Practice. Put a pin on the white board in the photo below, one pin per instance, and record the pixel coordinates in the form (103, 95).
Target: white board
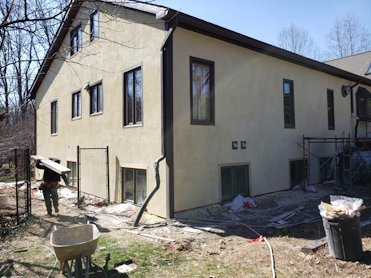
(54, 166)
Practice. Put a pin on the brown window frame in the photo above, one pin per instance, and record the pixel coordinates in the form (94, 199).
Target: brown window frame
(211, 65)
(94, 110)
(330, 110)
(135, 172)
(76, 114)
(54, 117)
(287, 123)
(135, 121)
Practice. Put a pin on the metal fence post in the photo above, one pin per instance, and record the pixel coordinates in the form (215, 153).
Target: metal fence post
(107, 162)
(27, 168)
(78, 176)
(16, 184)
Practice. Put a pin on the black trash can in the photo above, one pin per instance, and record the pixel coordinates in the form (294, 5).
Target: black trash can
(344, 238)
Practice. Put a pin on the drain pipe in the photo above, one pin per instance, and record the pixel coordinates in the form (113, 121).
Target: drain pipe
(157, 162)
(149, 197)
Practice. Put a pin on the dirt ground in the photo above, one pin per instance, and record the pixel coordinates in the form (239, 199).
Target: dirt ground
(207, 242)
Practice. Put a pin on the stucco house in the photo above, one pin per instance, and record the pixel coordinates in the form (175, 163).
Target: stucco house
(224, 112)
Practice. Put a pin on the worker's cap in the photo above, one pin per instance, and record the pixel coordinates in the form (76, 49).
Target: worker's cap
(55, 159)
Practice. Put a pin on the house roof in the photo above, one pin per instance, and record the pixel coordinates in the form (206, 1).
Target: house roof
(177, 18)
(358, 63)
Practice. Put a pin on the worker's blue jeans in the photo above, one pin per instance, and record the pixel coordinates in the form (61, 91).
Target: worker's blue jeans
(50, 192)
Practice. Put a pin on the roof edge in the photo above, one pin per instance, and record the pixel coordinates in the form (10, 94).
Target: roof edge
(218, 32)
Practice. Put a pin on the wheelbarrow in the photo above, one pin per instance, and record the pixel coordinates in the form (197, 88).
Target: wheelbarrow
(74, 244)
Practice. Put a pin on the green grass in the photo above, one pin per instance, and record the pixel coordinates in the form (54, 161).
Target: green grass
(147, 256)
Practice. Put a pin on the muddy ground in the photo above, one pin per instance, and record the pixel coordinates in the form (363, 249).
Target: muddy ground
(208, 242)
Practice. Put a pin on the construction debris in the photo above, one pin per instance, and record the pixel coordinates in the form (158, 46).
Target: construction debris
(341, 207)
(314, 246)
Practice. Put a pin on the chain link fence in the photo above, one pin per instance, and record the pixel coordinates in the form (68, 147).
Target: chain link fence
(15, 188)
(93, 172)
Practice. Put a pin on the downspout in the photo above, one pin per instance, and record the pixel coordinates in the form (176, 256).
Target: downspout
(162, 157)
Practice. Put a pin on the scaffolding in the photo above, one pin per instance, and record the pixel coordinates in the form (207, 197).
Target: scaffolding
(343, 151)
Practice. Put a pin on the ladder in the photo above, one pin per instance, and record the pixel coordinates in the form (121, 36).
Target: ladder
(368, 129)
(346, 163)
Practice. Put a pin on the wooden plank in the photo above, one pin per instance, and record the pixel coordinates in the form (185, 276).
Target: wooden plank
(54, 166)
(314, 246)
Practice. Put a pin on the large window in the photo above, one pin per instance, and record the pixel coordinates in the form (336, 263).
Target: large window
(76, 105)
(288, 103)
(330, 110)
(133, 97)
(134, 185)
(94, 26)
(54, 117)
(96, 99)
(76, 41)
(202, 91)
(235, 181)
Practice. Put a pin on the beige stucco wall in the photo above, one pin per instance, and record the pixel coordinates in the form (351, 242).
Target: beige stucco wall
(249, 107)
(127, 39)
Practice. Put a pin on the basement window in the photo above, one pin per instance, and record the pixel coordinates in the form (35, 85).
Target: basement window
(72, 176)
(235, 181)
(134, 185)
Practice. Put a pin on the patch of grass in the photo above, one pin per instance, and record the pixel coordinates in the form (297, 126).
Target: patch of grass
(146, 256)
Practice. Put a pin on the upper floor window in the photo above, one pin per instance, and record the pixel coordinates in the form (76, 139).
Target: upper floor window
(53, 117)
(76, 41)
(96, 99)
(202, 91)
(76, 105)
(94, 26)
(288, 103)
(330, 110)
(133, 97)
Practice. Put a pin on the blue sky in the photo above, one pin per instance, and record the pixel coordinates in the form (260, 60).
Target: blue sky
(263, 19)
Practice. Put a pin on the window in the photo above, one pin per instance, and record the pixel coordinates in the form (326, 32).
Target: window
(297, 171)
(72, 176)
(76, 105)
(54, 117)
(75, 37)
(288, 103)
(330, 110)
(96, 99)
(363, 102)
(94, 26)
(202, 91)
(134, 185)
(235, 180)
(133, 97)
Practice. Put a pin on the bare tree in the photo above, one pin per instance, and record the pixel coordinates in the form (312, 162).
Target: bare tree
(348, 37)
(297, 40)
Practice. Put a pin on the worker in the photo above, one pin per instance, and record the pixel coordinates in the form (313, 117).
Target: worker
(50, 186)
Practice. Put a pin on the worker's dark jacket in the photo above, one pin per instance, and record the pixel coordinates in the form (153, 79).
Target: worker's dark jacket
(49, 175)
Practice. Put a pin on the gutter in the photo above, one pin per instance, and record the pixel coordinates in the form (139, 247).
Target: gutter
(162, 157)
